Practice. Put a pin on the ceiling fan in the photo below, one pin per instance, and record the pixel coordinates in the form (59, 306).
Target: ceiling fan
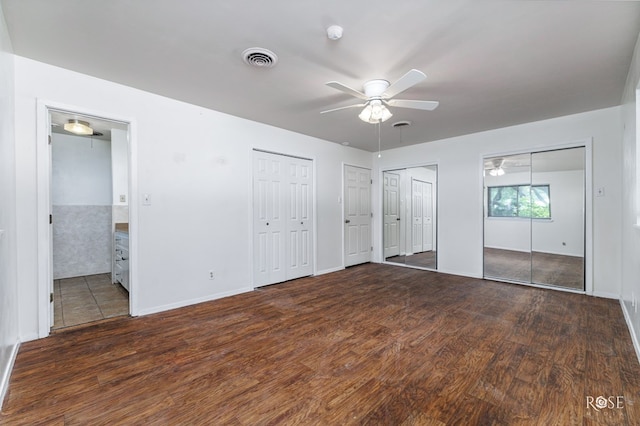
(378, 94)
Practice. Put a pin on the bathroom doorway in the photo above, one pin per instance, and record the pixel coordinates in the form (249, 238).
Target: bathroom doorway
(89, 205)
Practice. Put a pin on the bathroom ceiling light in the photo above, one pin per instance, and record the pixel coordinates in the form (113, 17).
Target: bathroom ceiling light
(78, 127)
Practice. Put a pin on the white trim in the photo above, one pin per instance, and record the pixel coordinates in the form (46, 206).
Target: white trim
(43, 188)
(605, 295)
(632, 331)
(6, 373)
(330, 270)
(183, 303)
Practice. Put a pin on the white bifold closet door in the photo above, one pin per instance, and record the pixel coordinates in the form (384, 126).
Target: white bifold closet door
(422, 216)
(282, 218)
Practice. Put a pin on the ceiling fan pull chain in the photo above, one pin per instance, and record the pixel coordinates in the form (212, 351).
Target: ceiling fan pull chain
(379, 155)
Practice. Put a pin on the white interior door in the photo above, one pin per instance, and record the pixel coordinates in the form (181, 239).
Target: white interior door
(391, 207)
(357, 215)
(268, 225)
(283, 218)
(417, 216)
(427, 218)
(299, 218)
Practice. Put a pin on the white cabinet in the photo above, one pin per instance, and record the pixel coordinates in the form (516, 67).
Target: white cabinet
(121, 258)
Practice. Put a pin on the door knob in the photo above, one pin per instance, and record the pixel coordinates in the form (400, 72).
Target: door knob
(347, 221)
(397, 218)
(267, 223)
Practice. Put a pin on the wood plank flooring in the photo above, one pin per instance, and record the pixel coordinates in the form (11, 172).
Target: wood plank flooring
(539, 268)
(373, 344)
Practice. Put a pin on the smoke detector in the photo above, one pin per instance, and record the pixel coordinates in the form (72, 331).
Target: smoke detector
(334, 32)
(259, 57)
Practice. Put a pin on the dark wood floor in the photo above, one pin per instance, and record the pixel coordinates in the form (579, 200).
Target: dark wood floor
(373, 344)
(535, 267)
(425, 259)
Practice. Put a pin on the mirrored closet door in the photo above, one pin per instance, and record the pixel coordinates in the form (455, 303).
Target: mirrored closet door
(534, 218)
(410, 216)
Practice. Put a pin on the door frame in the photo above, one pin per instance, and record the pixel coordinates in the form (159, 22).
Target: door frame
(314, 230)
(43, 203)
(588, 205)
(400, 233)
(435, 210)
(342, 203)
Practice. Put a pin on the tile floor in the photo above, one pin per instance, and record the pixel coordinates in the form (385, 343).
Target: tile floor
(80, 300)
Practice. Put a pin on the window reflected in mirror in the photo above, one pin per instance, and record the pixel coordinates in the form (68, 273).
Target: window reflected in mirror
(410, 216)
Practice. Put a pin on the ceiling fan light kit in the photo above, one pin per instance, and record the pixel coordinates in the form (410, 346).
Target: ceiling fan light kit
(378, 95)
(497, 169)
(375, 112)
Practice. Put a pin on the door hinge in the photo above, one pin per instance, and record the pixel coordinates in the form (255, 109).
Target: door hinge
(371, 181)
(371, 248)
(49, 139)
(371, 214)
(50, 219)
(50, 297)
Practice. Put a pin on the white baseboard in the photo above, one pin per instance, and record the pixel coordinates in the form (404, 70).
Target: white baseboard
(605, 295)
(182, 304)
(632, 331)
(6, 372)
(330, 270)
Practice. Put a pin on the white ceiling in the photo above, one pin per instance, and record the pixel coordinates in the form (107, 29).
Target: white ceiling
(490, 63)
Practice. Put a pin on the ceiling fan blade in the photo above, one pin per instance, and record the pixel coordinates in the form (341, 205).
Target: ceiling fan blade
(344, 107)
(346, 89)
(411, 78)
(405, 103)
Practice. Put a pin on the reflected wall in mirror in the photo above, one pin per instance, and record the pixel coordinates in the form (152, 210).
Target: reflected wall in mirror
(410, 216)
(534, 218)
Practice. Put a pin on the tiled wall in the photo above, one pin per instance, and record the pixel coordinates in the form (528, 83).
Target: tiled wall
(81, 240)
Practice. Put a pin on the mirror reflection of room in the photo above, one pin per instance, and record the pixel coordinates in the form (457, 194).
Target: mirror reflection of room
(534, 218)
(409, 216)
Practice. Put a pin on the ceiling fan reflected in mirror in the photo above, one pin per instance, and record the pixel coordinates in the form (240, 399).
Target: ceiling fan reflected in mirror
(378, 95)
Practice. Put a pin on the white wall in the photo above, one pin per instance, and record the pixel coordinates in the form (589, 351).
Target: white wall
(460, 185)
(120, 166)
(196, 166)
(631, 199)
(81, 171)
(8, 273)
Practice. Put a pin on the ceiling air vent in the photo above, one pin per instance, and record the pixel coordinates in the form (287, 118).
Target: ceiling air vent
(399, 124)
(259, 57)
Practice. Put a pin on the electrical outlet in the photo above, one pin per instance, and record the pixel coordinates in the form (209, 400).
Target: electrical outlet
(212, 275)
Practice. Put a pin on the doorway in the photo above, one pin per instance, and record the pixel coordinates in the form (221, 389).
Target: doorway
(283, 218)
(89, 213)
(409, 206)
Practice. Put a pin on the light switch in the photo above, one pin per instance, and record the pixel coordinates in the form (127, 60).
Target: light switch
(600, 192)
(146, 199)
(123, 198)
